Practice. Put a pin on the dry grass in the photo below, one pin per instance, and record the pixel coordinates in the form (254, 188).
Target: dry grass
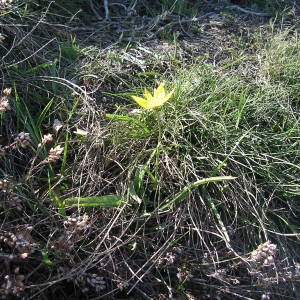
(92, 208)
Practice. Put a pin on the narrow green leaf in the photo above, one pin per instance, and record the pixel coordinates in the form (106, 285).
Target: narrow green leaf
(40, 67)
(24, 115)
(46, 259)
(138, 181)
(185, 191)
(147, 74)
(65, 154)
(219, 219)
(43, 114)
(133, 194)
(95, 201)
(55, 197)
(128, 119)
(223, 163)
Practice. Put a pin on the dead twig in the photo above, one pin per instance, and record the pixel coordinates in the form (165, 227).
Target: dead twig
(249, 11)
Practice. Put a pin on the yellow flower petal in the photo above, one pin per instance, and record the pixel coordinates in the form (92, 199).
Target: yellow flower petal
(148, 95)
(159, 102)
(169, 95)
(156, 100)
(160, 91)
(140, 101)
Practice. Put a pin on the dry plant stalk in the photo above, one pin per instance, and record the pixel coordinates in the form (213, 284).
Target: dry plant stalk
(54, 154)
(19, 239)
(74, 227)
(47, 140)
(264, 254)
(13, 284)
(22, 140)
(5, 186)
(11, 199)
(4, 102)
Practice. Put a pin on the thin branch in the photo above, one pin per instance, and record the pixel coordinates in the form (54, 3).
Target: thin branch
(249, 11)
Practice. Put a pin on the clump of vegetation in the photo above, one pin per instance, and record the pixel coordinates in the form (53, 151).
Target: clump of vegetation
(192, 193)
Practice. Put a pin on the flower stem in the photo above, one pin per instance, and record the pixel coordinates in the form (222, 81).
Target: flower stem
(158, 144)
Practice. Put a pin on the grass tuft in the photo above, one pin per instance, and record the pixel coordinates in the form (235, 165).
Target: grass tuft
(100, 198)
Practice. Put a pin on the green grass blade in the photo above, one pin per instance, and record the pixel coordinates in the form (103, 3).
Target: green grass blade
(95, 201)
(128, 119)
(219, 219)
(65, 154)
(44, 113)
(40, 67)
(185, 191)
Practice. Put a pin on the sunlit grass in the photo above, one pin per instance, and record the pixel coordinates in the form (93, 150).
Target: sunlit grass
(191, 191)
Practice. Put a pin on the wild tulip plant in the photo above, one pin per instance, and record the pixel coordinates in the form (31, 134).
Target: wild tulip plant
(155, 101)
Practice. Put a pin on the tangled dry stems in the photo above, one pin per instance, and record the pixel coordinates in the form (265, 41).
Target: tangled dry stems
(201, 246)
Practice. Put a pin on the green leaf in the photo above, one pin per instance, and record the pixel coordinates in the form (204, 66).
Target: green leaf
(147, 74)
(185, 191)
(60, 204)
(46, 259)
(40, 67)
(65, 154)
(138, 181)
(223, 163)
(95, 201)
(222, 228)
(43, 114)
(23, 114)
(133, 194)
(128, 119)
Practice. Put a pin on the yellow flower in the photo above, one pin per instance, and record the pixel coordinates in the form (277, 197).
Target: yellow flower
(156, 100)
